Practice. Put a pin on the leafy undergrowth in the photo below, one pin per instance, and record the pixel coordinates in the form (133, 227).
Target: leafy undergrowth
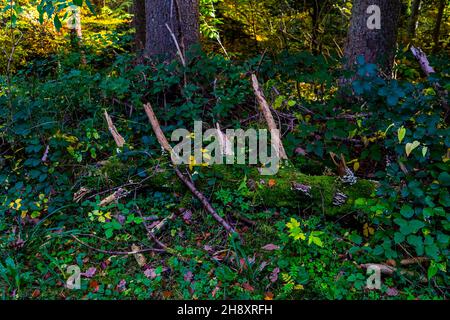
(58, 161)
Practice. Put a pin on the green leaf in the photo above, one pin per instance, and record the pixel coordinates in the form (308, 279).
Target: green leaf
(314, 238)
(424, 151)
(399, 237)
(444, 179)
(432, 270)
(401, 132)
(57, 23)
(109, 233)
(407, 211)
(417, 242)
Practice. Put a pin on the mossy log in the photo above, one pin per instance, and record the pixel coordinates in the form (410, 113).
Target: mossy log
(279, 190)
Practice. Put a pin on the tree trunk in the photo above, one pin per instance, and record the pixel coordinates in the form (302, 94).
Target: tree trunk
(76, 34)
(315, 21)
(139, 23)
(437, 27)
(412, 24)
(376, 45)
(171, 24)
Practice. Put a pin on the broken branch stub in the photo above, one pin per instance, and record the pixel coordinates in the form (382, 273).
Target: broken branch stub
(264, 106)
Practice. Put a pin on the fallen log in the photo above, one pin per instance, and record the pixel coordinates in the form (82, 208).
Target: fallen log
(288, 188)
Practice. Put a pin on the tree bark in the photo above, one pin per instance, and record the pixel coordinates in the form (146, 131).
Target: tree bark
(315, 21)
(139, 22)
(171, 24)
(375, 45)
(412, 24)
(437, 27)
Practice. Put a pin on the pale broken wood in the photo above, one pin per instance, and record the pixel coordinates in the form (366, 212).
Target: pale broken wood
(166, 146)
(384, 269)
(161, 224)
(119, 193)
(77, 196)
(264, 106)
(140, 259)
(423, 60)
(225, 144)
(414, 260)
(428, 69)
(120, 141)
(389, 270)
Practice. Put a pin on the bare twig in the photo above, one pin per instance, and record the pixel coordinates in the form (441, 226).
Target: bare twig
(183, 62)
(116, 252)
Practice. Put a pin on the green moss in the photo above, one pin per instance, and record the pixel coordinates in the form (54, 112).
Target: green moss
(269, 191)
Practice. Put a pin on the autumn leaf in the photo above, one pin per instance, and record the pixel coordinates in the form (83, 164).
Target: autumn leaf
(367, 230)
(272, 183)
(274, 275)
(248, 287)
(167, 294)
(411, 146)
(36, 293)
(268, 296)
(90, 272)
(270, 247)
(94, 285)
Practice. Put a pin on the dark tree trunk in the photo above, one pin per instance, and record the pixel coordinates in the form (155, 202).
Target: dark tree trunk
(437, 27)
(139, 23)
(163, 17)
(412, 24)
(375, 45)
(315, 20)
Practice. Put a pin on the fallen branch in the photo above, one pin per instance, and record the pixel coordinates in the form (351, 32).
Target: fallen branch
(415, 260)
(428, 69)
(120, 141)
(389, 271)
(116, 252)
(265, 108)
(119, 193)
(423, 60)
(166, 146)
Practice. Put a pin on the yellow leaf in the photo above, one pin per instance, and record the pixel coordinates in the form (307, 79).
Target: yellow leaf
(356, 166)
(367, 230)
(411, 146)
(401, 132)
